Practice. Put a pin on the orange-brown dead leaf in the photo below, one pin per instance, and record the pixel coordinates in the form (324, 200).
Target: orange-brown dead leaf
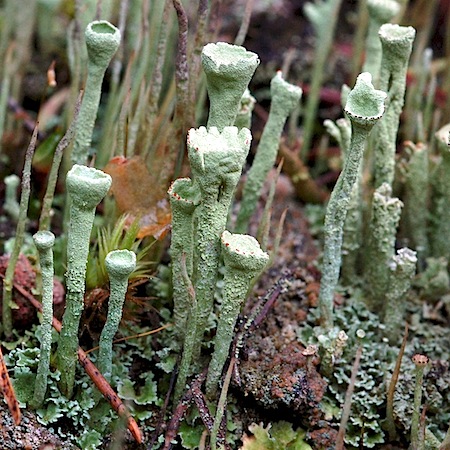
(7, 390)
(139, 193)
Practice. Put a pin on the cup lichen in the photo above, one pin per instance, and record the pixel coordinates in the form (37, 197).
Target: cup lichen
(102, 41)
(228, 69)
(44, 241)
(365, 106)
(285, 97)
(243, 260)
(86, 188)
(119, 264)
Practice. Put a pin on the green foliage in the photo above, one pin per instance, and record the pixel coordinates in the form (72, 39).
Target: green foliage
(81, 420)
(277, 436)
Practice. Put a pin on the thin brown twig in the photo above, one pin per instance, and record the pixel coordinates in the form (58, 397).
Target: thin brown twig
(195, 58)
(348, 401)
(7, 390)
(182, 82)
(45, 218)
(390, 423)
(242, 33)
(180, 411)
(134, 336)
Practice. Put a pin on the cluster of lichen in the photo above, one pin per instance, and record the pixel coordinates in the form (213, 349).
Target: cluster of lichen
(201, 205)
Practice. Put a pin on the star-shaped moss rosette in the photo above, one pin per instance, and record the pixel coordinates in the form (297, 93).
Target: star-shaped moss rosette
(364, 108)
(86, 187)
(102, 42)
(228, 69)
(216, 160)
(243, 260)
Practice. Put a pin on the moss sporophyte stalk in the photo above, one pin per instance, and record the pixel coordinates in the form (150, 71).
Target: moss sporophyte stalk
(86, 188)
(364, 108)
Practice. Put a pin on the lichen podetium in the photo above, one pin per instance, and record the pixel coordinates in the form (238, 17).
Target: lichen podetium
(365, 106)
(102, 41)
(86, 188)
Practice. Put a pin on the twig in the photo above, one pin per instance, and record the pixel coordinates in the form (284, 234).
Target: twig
(18, 241)
(195, 58)
(220, 418)
(156, 433)
(390, 424)
(245, 22)
(45, 218)
(182, 85)
(348, 401)
(180, 411)
(7, 390)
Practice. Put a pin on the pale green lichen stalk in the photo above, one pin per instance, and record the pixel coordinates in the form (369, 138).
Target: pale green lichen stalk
(119, 264)
(397, 44)
(228, 69)
(440, 236)
(352, 239)
(416, 171)
(365, 106)
(402, 269)
(184, 197)
(245, 111)
(243, 259)
(420, 363)
(44, 241)
(386, 212)
(86, 188)
(216, 160)
(102, 41)
(323, 14)
(380, 12)
(11, 205)
(285, 98)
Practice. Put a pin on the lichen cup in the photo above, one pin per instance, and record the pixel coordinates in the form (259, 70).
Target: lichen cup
(228, 69)
(86, 188)
(102, 42)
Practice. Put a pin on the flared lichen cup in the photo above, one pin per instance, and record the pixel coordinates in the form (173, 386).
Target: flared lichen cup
(102, 42)
(120, 264)
(228, 69)
(87, 186)
(397, 40)
(217, 156)
(365, 104)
